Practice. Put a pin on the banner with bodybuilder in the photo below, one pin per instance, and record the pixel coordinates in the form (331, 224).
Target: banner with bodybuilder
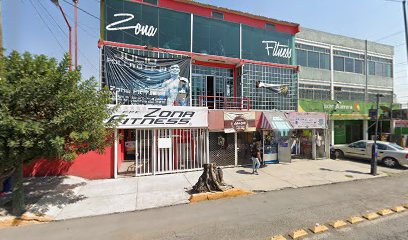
(140, 80)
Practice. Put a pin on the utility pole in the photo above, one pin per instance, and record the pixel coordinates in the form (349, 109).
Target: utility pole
(405, 24)
(1, 29)
(374, 151)
(76, 31)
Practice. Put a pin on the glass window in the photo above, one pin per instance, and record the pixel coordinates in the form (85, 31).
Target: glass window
(349, 64)
(359, 66)
(371, 68)
(216, 37)
(381, 146)
(301, 57)
(313, 59)
(338, 63)
(154, 2)
(218, 15)
(174, 32)
(260, 44)
(324, 61)
(388, 71)
(360, 145)
(379, 69)
(270, 26)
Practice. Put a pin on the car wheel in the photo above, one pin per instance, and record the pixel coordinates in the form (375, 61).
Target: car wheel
(390, 162)
(339, 154)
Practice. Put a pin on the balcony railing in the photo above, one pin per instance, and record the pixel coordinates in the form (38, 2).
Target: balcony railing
(226, 103)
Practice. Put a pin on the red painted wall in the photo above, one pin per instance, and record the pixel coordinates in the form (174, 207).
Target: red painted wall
(91, 165)
(121, 149)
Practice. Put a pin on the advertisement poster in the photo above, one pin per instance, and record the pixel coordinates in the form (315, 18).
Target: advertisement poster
(239, 122)
(307, 120)
(141, 80)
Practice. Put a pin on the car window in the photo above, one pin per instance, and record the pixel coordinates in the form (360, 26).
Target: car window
(393, 145)
(382, 146)
(360, 145)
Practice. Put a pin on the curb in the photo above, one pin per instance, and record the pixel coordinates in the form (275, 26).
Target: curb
(27, 218)
(234, 192)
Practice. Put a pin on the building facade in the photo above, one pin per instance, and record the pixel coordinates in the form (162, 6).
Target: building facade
(341, 76)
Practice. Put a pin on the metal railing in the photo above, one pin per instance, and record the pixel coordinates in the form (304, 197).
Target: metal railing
(226, 103)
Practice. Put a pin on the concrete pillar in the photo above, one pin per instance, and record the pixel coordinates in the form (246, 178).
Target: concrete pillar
(314, 144)
(365, 130)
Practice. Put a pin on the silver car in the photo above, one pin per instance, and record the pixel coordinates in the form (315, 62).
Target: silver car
(390, 154)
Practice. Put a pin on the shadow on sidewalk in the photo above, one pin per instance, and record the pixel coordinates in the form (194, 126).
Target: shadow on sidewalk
(45, 193)
(346, 171)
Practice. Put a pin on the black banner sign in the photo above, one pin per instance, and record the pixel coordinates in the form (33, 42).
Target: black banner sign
(141, 80)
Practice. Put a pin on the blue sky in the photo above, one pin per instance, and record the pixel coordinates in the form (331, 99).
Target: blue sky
(375, 20)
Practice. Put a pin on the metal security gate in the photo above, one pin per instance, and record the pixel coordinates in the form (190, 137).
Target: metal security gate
(161, 151)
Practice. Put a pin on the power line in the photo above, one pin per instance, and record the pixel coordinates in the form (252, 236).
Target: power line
(90, 14)
(388, 36)
(53, 18)
(59, 43)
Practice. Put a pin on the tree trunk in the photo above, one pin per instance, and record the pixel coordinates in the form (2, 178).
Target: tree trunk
(211, 180)
(18, 205)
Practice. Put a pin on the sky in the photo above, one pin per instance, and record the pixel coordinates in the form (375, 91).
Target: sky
(37, 26)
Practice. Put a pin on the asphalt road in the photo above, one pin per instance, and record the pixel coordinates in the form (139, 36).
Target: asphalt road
(251, 217)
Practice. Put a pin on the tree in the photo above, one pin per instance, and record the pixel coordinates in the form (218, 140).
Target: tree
(47, 112)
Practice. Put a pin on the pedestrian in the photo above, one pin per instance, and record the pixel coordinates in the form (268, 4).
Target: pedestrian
(256, 155)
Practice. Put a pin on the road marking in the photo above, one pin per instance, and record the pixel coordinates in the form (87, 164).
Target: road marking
(398, 209)
(319, 228)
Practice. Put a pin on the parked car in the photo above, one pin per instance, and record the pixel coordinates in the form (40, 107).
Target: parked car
(390, 154)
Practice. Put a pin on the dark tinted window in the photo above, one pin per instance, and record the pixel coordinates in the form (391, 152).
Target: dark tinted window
(174, 31)
(338, 63)
(359, 66)
(256, 40)
(154, 2)
(218, 15)
(313, 59)
(360, 145)
(301, 57)
(324, 61)
(349, 64)
(216, 37)
(381, 146)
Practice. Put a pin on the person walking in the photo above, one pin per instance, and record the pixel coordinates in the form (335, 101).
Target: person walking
(256, 155)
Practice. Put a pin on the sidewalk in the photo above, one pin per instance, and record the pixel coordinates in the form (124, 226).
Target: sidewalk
(72, 197)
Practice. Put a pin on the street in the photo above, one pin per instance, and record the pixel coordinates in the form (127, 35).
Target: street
(257, 216)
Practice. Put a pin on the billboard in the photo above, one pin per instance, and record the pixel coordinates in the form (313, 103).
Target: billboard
(140, 80)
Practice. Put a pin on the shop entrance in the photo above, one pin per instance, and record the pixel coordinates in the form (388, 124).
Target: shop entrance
(160, 151)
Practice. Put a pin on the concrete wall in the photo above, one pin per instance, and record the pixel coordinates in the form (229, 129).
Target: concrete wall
(343, 41)
(308, 73)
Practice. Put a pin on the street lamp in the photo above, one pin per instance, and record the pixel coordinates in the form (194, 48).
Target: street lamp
(374, 152)
(70, 32)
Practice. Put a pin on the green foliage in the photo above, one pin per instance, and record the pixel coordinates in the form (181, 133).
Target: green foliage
(48, 112)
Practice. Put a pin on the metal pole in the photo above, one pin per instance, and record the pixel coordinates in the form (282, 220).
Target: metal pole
(405, 24)
(374, 148)
(76, 32)
(70, 37)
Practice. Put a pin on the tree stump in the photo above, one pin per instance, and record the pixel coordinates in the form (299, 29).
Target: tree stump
(211, 180)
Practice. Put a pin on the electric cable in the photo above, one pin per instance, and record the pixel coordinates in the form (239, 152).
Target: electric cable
(52, 33)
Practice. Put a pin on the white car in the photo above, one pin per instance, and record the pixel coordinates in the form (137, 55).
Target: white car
(390, 154)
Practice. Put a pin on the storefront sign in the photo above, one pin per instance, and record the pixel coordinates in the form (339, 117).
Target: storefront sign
(239, 122)
(141, 80)
(307, 120)
(145, 30)
(341, 110)
(277, 49)
(132, 116)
